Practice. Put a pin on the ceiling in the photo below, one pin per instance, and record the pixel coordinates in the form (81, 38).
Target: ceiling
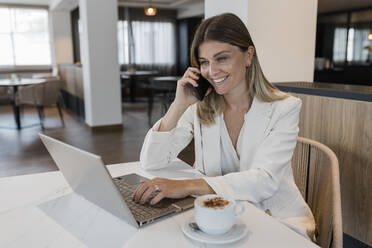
(339, 5)
(70, 4)
(26, 2)
(323, 5)
(158, 3)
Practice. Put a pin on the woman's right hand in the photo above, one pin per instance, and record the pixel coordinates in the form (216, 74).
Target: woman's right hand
(184, 93)
(184, 98)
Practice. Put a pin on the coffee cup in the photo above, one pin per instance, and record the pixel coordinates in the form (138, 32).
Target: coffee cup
(215, 214)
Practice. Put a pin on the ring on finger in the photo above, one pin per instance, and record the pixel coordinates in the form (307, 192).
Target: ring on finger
(156, 187)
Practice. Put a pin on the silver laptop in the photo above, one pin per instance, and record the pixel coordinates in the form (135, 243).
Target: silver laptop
(89, 177)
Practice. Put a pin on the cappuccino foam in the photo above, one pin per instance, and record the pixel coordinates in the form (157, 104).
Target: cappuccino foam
(215, 202)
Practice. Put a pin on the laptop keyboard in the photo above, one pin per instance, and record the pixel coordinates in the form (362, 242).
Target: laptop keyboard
(145, 212)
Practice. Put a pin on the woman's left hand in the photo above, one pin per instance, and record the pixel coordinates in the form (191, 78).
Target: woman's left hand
(165, 187)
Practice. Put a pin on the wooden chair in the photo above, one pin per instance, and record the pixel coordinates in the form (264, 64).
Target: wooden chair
(316, 173)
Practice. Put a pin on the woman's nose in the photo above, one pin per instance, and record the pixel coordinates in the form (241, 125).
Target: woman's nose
(213, 70)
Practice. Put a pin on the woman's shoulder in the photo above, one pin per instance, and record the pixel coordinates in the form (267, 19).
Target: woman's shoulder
(191, 110)
(287, 104)
(288, 100)
(190, 113)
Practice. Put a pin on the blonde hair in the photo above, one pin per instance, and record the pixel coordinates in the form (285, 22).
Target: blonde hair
(228, 28)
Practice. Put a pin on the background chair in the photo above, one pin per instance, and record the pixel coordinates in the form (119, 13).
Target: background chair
(41, 95)
(316, 173)
(5, 95)
(165, 89)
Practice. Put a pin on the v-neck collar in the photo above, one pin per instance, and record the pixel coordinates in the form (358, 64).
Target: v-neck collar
(209, 139)
(228, 141)
(238, 142)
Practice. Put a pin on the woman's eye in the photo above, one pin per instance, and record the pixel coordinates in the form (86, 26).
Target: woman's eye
(203, 63)
(220, 59)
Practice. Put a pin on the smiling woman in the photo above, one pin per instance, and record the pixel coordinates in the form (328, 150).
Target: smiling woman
(234, 35)
(245, 130)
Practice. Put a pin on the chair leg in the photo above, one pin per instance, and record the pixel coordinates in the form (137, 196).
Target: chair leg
(40, 111)
(21, 111)
(150, 102)
(164, 105)
(60, 113)
(61, 100)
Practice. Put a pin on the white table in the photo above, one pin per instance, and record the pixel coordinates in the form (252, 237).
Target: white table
(40, 210)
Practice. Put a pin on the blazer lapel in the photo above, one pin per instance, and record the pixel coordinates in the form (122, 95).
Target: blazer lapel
(256, 123)
(211, 148)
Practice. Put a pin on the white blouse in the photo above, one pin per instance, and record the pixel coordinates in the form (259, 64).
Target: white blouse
(230, 158)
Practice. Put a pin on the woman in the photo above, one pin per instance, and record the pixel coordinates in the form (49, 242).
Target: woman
(245, 130)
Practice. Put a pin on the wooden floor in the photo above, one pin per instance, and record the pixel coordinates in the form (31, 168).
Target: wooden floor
(21, 152)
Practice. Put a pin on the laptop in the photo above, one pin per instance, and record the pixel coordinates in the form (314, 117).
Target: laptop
(89, 177)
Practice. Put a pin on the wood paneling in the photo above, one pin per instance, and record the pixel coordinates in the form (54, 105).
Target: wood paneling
(72, 89)
(346, 127)
(72, 77)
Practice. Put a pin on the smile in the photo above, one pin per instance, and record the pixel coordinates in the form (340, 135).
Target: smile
(220, 80)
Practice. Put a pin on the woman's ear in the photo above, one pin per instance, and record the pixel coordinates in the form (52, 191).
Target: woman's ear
(249, 56)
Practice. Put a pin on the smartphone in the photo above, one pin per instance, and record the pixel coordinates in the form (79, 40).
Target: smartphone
(201, 90)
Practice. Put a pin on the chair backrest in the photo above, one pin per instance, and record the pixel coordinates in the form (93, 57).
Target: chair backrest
(316, 173)
(4, 93)
(51, 92)
(40, 94)
(167, 83)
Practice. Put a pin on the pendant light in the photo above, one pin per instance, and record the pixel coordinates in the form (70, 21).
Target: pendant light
(150, 10)
(370, 36)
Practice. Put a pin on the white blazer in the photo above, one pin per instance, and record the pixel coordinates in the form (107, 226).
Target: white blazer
(265, 176)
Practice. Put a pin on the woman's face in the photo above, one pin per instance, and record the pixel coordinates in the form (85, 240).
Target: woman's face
(224, 66)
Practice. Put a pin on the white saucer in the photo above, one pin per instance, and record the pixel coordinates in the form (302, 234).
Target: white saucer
(238, 231)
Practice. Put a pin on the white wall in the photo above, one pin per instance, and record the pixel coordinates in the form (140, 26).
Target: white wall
(101, 74)
(63, 4)
(283, 32)
(61, 37)
(191, 10)
(238, 7)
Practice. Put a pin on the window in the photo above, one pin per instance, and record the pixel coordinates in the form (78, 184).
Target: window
(123, 42)
(24, 37)
(339, 45)
(358, 40)
(352, 45)
(153, 43)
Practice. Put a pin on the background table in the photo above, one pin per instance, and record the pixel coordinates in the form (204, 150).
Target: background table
(132, 76)
(166, 86)
(15, 85)
(40, 211)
